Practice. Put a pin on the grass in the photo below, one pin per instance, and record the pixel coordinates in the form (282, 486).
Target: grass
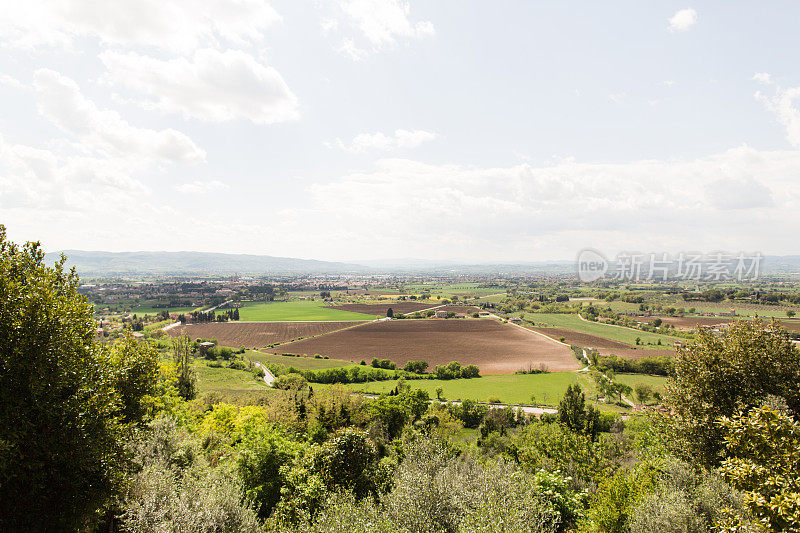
(148, 310)
(303, 363)
(510, 388)
(210, 379)
(621, 334)
(657, 383)
(302, 310)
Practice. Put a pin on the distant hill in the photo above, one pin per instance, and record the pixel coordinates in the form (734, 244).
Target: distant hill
(90, 263)
(105, 264)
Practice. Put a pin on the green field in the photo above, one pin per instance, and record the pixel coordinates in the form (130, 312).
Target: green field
(295, 310)
(148, 310)
(303, 363)
(608, 331)
(657, 383)
(510, 388)
(223, 379)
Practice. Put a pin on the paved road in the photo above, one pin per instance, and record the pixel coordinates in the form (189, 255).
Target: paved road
(269, 379)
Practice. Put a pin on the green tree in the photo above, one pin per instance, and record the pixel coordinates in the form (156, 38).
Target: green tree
(59, 415)
(763, 461)
(643, 392)
(136, 371)
(573, 413)
(349, 460)
(720, 376)
(187, 377)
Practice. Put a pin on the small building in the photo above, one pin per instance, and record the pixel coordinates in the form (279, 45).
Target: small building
(204, 346)
(515, 320)
(441, 314)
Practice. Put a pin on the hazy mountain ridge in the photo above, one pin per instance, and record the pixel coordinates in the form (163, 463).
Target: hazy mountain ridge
(112, 263)
(97, 263)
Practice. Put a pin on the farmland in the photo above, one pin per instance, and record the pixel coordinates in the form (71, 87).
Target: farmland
(226, 380)
(295, 310)
(548, 389)
(303, 363)
(604, 345)
(620, 334)
(380, 309)
(691, 322)
(257, 334)
(494, 347)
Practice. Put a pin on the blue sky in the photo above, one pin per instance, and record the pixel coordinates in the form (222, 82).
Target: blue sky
(367, 129)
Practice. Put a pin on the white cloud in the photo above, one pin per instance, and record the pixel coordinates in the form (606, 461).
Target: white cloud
(9, 81)
(176, 25)
(402, 139)
(201, 187)
(522, 208)
(782, 104)
(381, 23)
(683, 20)
(762, 77)
(212, 86)
(61, 101)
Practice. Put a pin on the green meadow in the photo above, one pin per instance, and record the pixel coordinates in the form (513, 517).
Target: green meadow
(509, 388)
(295, 311)
(573, 322)
(303, 363)
(224, 380)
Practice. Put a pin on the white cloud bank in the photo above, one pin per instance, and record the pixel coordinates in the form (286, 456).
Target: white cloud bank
(401, 139)
(210, 86)
(176, 26)
(683, 20)
(62, 103)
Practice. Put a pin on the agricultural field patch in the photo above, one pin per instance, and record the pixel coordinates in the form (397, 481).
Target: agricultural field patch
(257, 334)
(459, 309)
(608, 331)
(603, 345)
(548, 389)
(380, 309)
(692, 322)
(494, 347)
(657, 383)
(303, 363)
(295, 310)
(225, 380)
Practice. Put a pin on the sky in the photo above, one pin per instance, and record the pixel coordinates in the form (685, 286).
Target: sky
(375, 129)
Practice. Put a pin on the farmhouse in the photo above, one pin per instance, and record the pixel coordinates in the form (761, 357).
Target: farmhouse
(204, 346)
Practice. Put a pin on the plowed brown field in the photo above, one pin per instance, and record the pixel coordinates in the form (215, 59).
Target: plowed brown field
(257, 334)
(494, 347)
